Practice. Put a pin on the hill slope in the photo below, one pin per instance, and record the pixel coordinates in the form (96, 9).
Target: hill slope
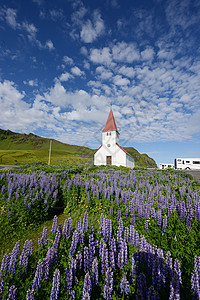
(17, 148)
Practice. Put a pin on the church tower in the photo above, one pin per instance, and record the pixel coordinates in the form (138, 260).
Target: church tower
(110, 133)
(110, 152)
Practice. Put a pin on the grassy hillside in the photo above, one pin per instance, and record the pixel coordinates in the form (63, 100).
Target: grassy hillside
(16, 149)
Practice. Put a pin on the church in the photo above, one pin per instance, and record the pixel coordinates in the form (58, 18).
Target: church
(110, 152)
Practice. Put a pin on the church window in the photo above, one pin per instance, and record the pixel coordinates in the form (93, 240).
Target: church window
(107, 133)
(110, 133)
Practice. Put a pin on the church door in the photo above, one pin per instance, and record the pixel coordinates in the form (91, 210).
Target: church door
(108, 160)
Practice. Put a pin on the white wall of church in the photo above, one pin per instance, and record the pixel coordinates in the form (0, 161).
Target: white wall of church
(118, 156)
(130, 161)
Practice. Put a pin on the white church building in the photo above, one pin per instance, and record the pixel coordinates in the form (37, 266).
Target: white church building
(110, 152)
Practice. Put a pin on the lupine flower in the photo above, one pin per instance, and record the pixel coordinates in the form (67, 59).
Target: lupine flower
(104, 258)
(12, 293)
(124, 285)
(38, 275)
(43, 240)
(68, 279)
(87, 286)
(75, 240)
(95, 271)
(54, 225)
(86, 259)
(26, 253)
(55, 285)
(1, 288)
(30, 295)
(5, 263)
(13, 259)
(146, 226)
(108, 287)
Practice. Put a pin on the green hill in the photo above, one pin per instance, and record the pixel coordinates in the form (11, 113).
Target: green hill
(17, 148)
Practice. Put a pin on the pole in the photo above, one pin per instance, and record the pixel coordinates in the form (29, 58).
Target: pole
(49, 153)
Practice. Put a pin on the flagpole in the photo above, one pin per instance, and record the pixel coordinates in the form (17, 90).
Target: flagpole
(49, 152)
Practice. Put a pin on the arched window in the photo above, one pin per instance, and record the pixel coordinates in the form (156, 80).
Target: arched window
(110, 133)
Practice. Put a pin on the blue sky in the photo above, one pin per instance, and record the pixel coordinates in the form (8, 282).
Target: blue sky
(63, 62)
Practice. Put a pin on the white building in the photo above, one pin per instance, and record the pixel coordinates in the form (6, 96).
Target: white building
(166, 166)
(110, 152)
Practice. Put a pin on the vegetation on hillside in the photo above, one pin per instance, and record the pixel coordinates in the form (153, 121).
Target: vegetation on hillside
(17, 149)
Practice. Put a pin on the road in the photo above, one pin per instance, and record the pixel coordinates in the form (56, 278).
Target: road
(194, 173)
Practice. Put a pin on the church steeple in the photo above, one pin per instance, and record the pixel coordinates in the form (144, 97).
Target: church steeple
(110, 133)
(110, 124)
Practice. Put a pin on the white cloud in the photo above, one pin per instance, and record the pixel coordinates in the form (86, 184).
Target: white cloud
(101, 56)
(65, 76)
(91, 30)
(103, 73)
(148, 53)
(76, 71)
(127, 71)
(10, 16)
(31, 82)
(49, 45)
(125, 52)
(68, 60)
(119, 80)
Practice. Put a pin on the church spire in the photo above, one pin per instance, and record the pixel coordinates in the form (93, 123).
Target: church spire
(110, 124)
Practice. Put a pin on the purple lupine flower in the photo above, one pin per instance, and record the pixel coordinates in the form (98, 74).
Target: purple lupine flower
(57, 241)
(124, 285)
(30, 295)
(146, 227)
(75, 240)
(26, 253)
(177, 269)
(67, 228)
(133, 219)
(91, 247)
(95, 271)
(55, 285)
(1, 288)
(131, 234)
(12, 293)
(104, 258)
(164, 224)
(85, 222)
(126, 234)
(137, 238)
(122, 254)
(86, 259)
(159, 217)
(43, 240)
(79, 260)
(13, 258)
(68, 279)
(133, 268)
(108, 287)
(54, 225)
(87, 288)
(5, 264)
(38, 275)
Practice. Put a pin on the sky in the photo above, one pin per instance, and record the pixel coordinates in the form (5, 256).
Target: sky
(63, 62)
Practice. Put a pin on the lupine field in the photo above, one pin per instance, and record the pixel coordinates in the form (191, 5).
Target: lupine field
(137, 235)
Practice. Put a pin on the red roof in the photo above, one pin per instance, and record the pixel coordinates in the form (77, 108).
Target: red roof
(97, 149)
(123, 150)
(110, 124)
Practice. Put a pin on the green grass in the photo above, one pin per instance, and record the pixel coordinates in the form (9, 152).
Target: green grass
(19, 157)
